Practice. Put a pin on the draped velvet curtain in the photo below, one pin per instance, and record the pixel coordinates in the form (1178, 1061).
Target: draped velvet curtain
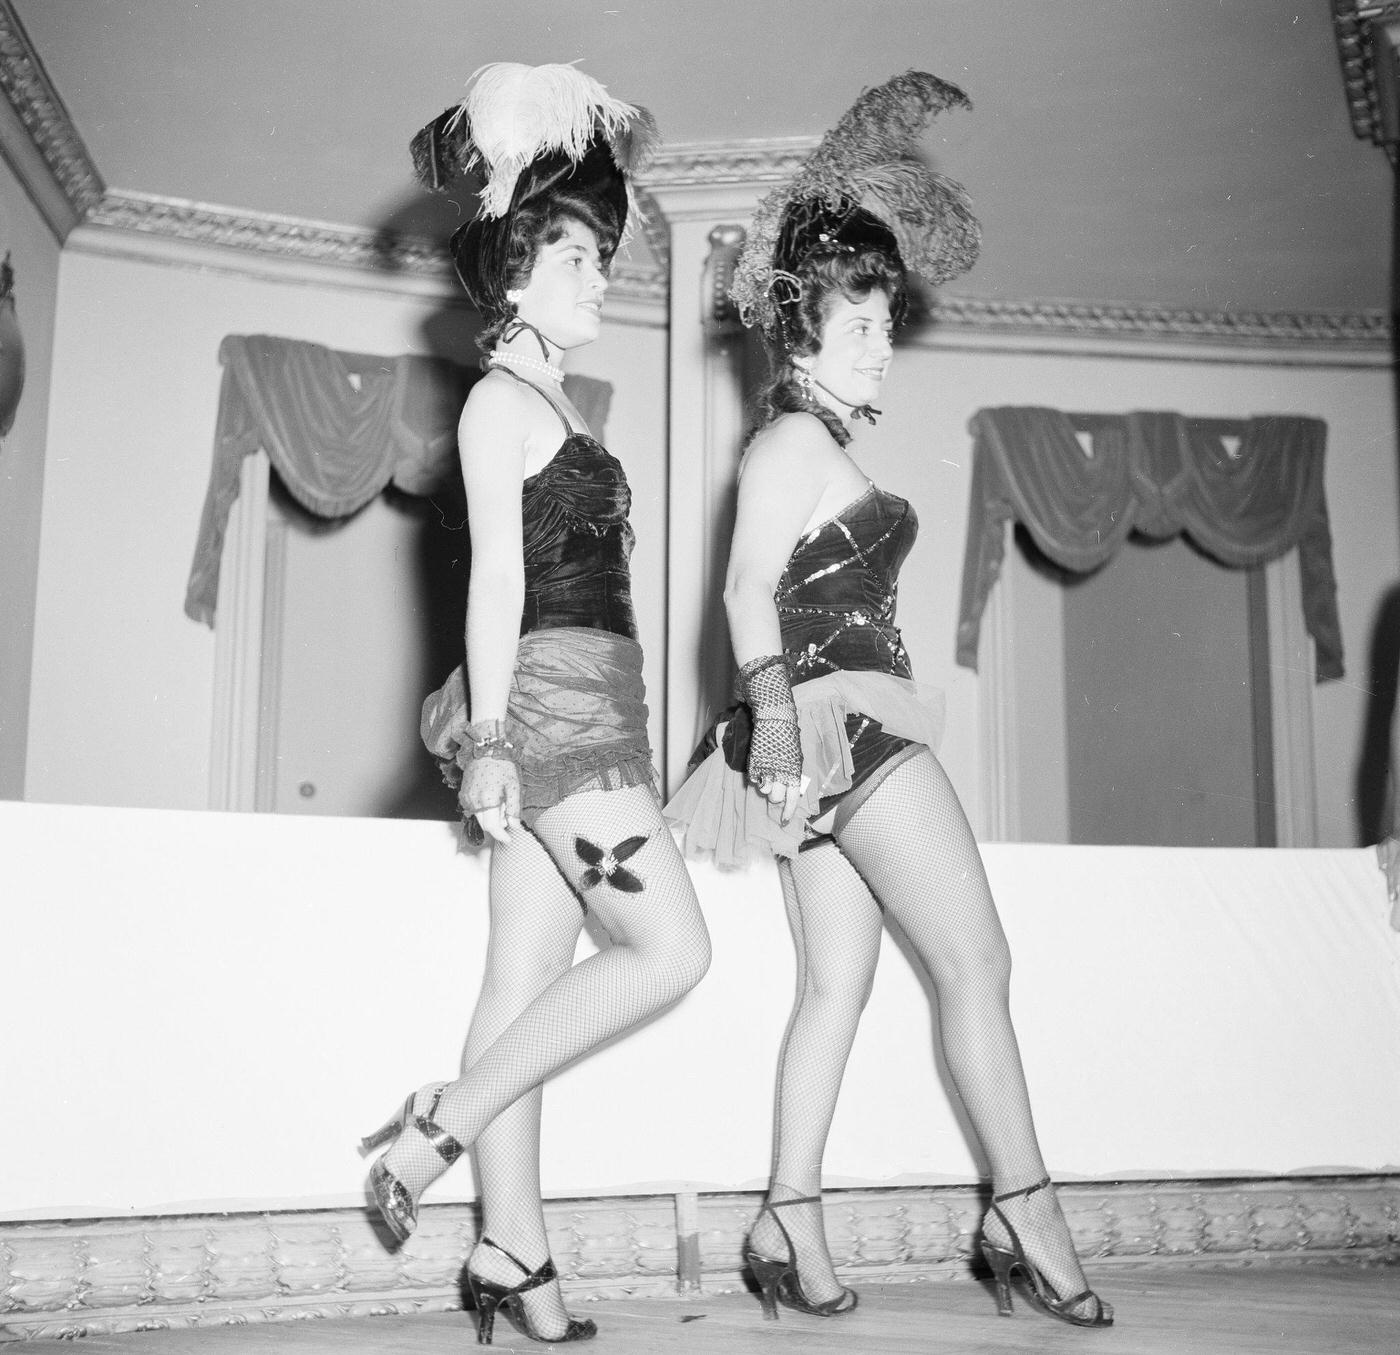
(337, 427)
(1159, 474)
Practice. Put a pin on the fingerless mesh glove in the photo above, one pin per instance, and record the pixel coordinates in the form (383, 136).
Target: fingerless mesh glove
(775, 751)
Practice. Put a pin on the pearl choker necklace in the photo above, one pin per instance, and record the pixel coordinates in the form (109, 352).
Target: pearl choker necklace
(525, 363)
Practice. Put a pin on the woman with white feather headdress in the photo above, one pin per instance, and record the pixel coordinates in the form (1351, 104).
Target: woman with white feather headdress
(828, 762)
(549, 750)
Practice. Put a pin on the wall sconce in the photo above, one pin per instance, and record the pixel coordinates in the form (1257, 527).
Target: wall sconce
(11, 350)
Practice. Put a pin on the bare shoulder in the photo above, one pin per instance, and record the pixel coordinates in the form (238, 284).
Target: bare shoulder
(496, 399)
(795, 446)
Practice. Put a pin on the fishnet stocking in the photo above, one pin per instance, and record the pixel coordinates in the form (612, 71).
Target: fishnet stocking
(911, 843)
(641, 894)
(528, 948)
(836, 928)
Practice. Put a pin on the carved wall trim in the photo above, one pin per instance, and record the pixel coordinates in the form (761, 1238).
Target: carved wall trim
(705, 164)
(1361, 330)
(70, 1278)
(74, 193)
(349, 247)
(37, 137)
(264, 233)
(267, 235)
(295, 239)
(1353, 22)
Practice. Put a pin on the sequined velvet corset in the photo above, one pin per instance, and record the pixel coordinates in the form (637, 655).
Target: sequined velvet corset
(836, 598)
(577, 542)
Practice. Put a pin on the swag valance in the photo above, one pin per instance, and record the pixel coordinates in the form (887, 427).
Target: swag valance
(1158, 474)
(337, 427)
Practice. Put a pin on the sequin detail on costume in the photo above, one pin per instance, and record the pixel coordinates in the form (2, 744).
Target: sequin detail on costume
(607, 865)
(836, 598)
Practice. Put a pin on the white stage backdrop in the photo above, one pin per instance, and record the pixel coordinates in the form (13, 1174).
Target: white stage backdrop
(206, 1010)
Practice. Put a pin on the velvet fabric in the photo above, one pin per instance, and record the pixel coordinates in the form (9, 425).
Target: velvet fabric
(576, 713)
(577, 542)
(836, 597)
(1159, 474)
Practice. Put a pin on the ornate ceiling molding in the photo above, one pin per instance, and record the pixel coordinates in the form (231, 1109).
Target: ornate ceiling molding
(1366, 330)
(291, 238)
(296, 239)
(45, 150)
(1354, 22)
(41, 143)
(707, 165)
(264, 233)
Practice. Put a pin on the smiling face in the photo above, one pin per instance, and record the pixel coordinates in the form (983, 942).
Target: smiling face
(854, 353)
(564, 297)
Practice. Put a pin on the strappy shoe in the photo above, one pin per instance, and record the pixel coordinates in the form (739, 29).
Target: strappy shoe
(398, 1205)
(488, 1296)
(1040, 1291)
(779, 1279)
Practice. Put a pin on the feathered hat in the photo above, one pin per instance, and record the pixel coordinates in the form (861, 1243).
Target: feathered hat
(861, 187)
(526, 129)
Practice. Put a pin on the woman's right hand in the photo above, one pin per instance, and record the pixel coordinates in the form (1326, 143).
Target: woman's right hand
(490, 792)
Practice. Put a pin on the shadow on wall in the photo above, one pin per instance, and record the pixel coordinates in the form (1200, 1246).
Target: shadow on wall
(426, 533)
(442, 561)
(1383, 678)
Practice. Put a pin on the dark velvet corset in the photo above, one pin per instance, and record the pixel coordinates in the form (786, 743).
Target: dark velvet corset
(577, 542)
(836, 598)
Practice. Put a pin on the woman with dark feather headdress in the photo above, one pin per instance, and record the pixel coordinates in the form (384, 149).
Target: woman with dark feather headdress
(550, 752)
(829, 761)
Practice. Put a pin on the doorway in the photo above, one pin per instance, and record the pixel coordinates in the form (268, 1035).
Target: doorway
(1163, 700)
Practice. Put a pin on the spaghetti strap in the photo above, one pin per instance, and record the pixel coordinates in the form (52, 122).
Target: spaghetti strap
(563, 418)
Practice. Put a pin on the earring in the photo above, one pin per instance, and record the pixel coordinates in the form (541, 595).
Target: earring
(513, 297)
(804, 380)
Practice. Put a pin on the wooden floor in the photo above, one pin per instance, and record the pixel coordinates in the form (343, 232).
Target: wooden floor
(1270, 1309)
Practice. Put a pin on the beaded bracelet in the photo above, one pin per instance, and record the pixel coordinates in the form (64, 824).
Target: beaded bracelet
(488, 739)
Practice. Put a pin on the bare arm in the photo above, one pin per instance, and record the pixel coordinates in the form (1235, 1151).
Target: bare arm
(782, 480)
(781, 483)
(491, 439)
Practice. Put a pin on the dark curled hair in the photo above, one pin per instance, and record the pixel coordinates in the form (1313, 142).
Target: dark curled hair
(824, 277)
(542, 221)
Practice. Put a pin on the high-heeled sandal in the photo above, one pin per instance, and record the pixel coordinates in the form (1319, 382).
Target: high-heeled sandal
(488, 1296)
(779, 1279)
(397, 1205)
(1040, 1291)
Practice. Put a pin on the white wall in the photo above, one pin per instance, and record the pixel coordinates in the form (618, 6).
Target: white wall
(207, 1010)
(120, 708)
(922, 449)
(34, 256)
(123, 680)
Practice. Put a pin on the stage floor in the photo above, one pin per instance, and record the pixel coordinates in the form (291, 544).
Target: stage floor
(1270, 1309)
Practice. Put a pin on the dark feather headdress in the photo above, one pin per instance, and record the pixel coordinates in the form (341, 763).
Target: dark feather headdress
(524, 130)
(861, 187)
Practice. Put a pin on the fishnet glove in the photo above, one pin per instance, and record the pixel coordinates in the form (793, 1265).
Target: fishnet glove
(489, 774)
(775, 751)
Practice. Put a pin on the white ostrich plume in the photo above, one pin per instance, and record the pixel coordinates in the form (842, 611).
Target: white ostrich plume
(515, 113)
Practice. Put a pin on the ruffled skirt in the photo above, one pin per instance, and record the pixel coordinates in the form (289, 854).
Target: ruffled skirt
(577, 716)
(722, 816)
